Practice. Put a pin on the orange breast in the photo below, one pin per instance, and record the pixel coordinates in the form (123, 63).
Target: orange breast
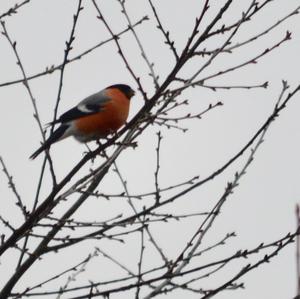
(111, 117)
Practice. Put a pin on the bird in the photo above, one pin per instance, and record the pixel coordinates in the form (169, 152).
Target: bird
(95, 117)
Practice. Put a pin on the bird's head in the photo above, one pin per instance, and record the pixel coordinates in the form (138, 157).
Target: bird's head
(126, 89)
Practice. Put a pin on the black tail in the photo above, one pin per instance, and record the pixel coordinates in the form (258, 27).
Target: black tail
(55, 136)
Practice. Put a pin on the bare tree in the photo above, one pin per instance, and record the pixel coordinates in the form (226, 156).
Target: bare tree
(49, 227)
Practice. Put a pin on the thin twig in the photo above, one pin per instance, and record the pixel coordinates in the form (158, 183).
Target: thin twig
(12, 186)
(298, 250)
(13, 10)
(51, 69)
(120, 51)
(150, 65)
(165, 33)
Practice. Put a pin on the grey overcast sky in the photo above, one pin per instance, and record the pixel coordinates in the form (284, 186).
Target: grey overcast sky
(261, 208)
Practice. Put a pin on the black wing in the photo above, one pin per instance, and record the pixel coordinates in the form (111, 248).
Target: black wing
(76, 112)
(91, 105)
